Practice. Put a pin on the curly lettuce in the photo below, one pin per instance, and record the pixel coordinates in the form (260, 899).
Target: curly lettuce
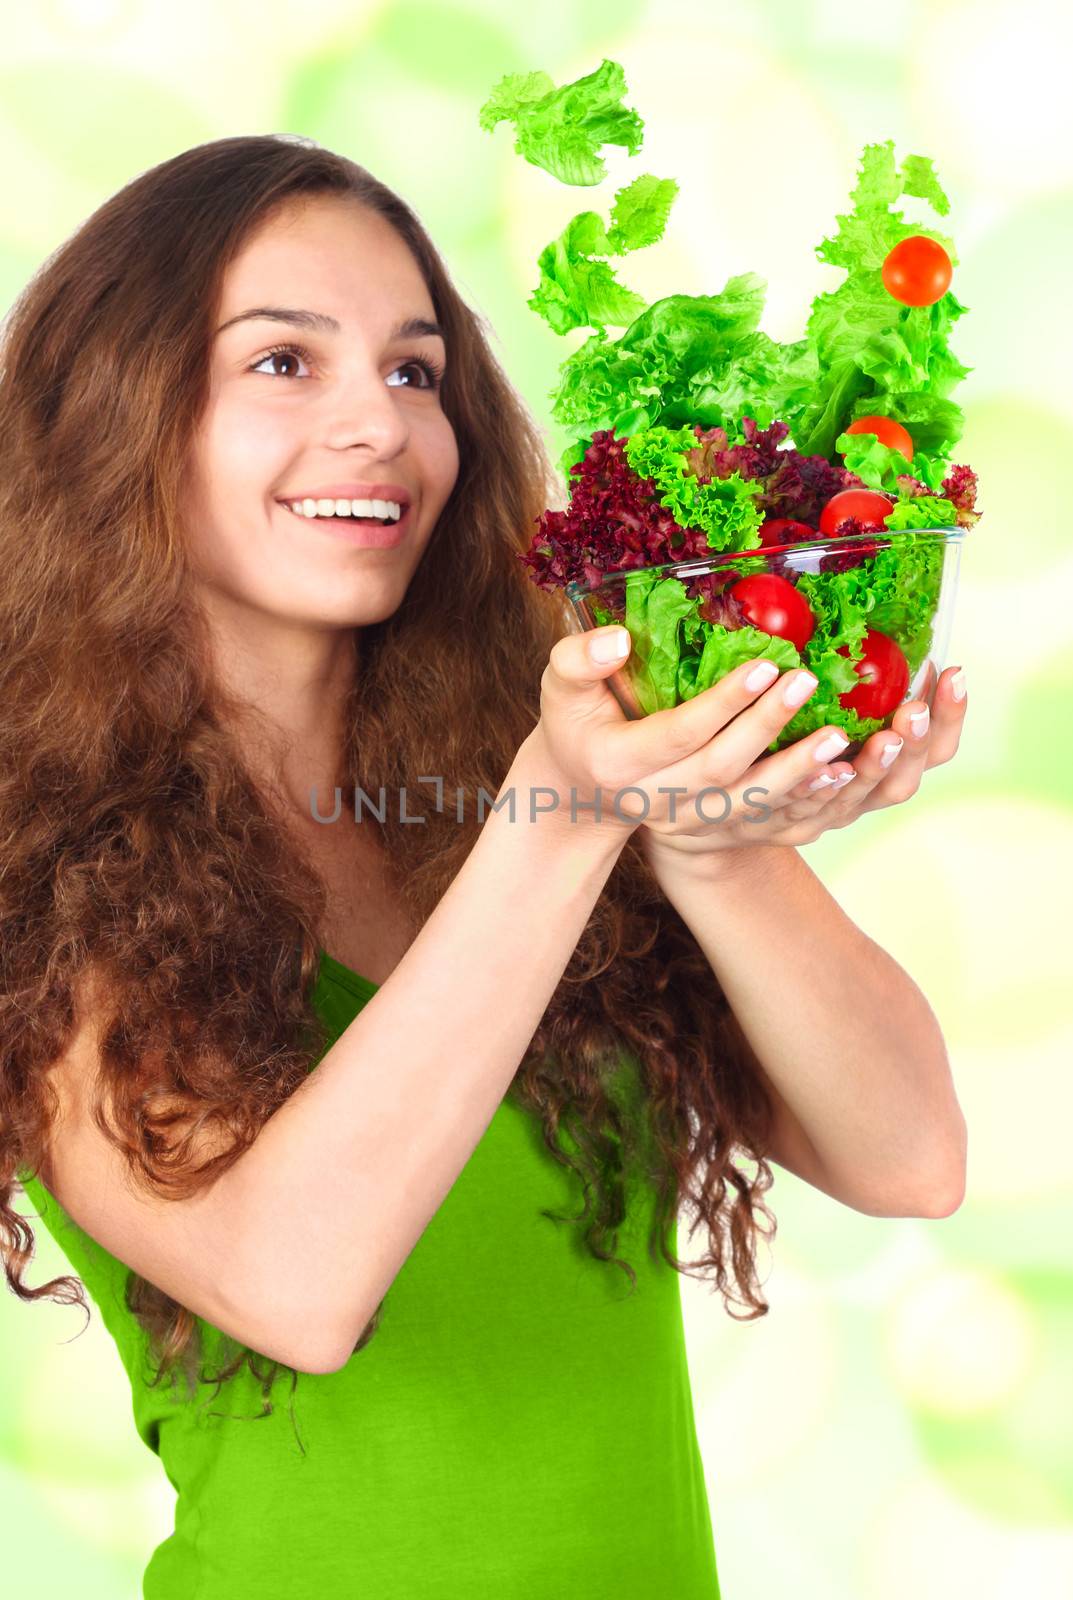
(686, 359)
(577, 290)
(562, 130)
(725, 509)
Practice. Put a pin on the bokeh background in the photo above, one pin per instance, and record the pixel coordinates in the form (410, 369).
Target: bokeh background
(899, 1423)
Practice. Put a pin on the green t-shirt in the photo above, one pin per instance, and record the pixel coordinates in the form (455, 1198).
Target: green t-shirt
(519, 1426)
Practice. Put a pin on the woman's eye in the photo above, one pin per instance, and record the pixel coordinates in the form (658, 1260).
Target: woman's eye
(427, 371)
(291, 352)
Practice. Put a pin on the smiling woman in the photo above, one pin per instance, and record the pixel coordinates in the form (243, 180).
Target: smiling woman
(408, 1111)
(282, 426)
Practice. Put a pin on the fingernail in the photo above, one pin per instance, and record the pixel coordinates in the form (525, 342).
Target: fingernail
(845, 777)
(919, 722)
(823, 779)
(763, 673)
(828, 748)
(957, 684)
(890, 751)
(609, 646)
(799, 688)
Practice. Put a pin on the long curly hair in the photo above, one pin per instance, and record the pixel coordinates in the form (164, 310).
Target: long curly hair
(138, 851)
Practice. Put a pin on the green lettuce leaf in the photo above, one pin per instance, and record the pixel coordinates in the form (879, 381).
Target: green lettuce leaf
(934, 422)
(576, 291)
(675, 654)
(654, 606)
(726, 648)
(867, 233)
(562, 129)
(922, 511)
(688, 358)
(880, 465)
(877, 465)
(639, 214)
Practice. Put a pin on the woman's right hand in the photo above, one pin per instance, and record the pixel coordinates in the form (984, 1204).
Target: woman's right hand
(570, 745)
(584, 742)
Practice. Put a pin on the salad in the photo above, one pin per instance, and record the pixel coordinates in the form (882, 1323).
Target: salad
(697, 438)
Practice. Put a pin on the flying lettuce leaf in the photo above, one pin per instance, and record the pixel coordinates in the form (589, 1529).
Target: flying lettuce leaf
(562, 129)
(577, 291)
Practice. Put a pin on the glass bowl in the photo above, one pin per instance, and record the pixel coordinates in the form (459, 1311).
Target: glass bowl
(690, 625)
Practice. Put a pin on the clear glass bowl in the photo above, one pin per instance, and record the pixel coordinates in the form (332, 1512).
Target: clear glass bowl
(680, 633)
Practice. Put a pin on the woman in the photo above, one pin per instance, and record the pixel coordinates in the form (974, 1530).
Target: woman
(537, 1030)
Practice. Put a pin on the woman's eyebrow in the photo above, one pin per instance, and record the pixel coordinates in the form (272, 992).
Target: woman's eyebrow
(408, 328)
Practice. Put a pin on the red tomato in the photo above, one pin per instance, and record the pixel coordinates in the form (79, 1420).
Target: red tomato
(775, 606)
(887, 431)
(917, 271)
(883, 673)
(867, 505)
(784, 530)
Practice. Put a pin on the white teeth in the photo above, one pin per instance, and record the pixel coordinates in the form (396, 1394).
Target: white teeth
(388, 509)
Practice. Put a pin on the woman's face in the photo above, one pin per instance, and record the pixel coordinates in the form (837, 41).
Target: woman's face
(351, 411)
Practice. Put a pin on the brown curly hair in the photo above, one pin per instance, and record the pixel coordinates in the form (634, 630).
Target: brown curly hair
(138, 850)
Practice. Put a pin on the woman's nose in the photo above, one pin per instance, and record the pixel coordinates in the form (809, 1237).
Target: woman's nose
(367, 412)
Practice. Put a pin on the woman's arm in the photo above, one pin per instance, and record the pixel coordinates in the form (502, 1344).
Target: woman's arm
(343, 1179)
(851, 1052)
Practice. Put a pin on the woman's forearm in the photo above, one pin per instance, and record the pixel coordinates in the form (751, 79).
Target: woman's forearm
(839, 1028)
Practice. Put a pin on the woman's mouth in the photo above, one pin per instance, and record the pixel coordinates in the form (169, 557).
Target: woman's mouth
(365, 531)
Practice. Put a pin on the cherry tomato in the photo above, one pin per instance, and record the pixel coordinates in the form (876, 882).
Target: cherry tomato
(867, 505)
(887, 431)
(775, 606)
(784, 530)
(883, 672)
(917, 271)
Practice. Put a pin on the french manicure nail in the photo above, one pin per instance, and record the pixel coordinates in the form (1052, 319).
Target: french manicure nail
(830, 747)
(609, 646)
(845, 777)
(919, 722)
(957, 684)
(799, 688)
(763, 673)
(823, 779)
(890, 751)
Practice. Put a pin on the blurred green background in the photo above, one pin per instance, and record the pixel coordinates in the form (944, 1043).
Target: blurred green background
(898, 1424)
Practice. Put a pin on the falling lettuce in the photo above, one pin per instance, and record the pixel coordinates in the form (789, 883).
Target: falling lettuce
(578, 290)
(562, 130)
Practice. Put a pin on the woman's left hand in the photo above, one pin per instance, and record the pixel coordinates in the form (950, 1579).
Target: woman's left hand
(886, 771)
